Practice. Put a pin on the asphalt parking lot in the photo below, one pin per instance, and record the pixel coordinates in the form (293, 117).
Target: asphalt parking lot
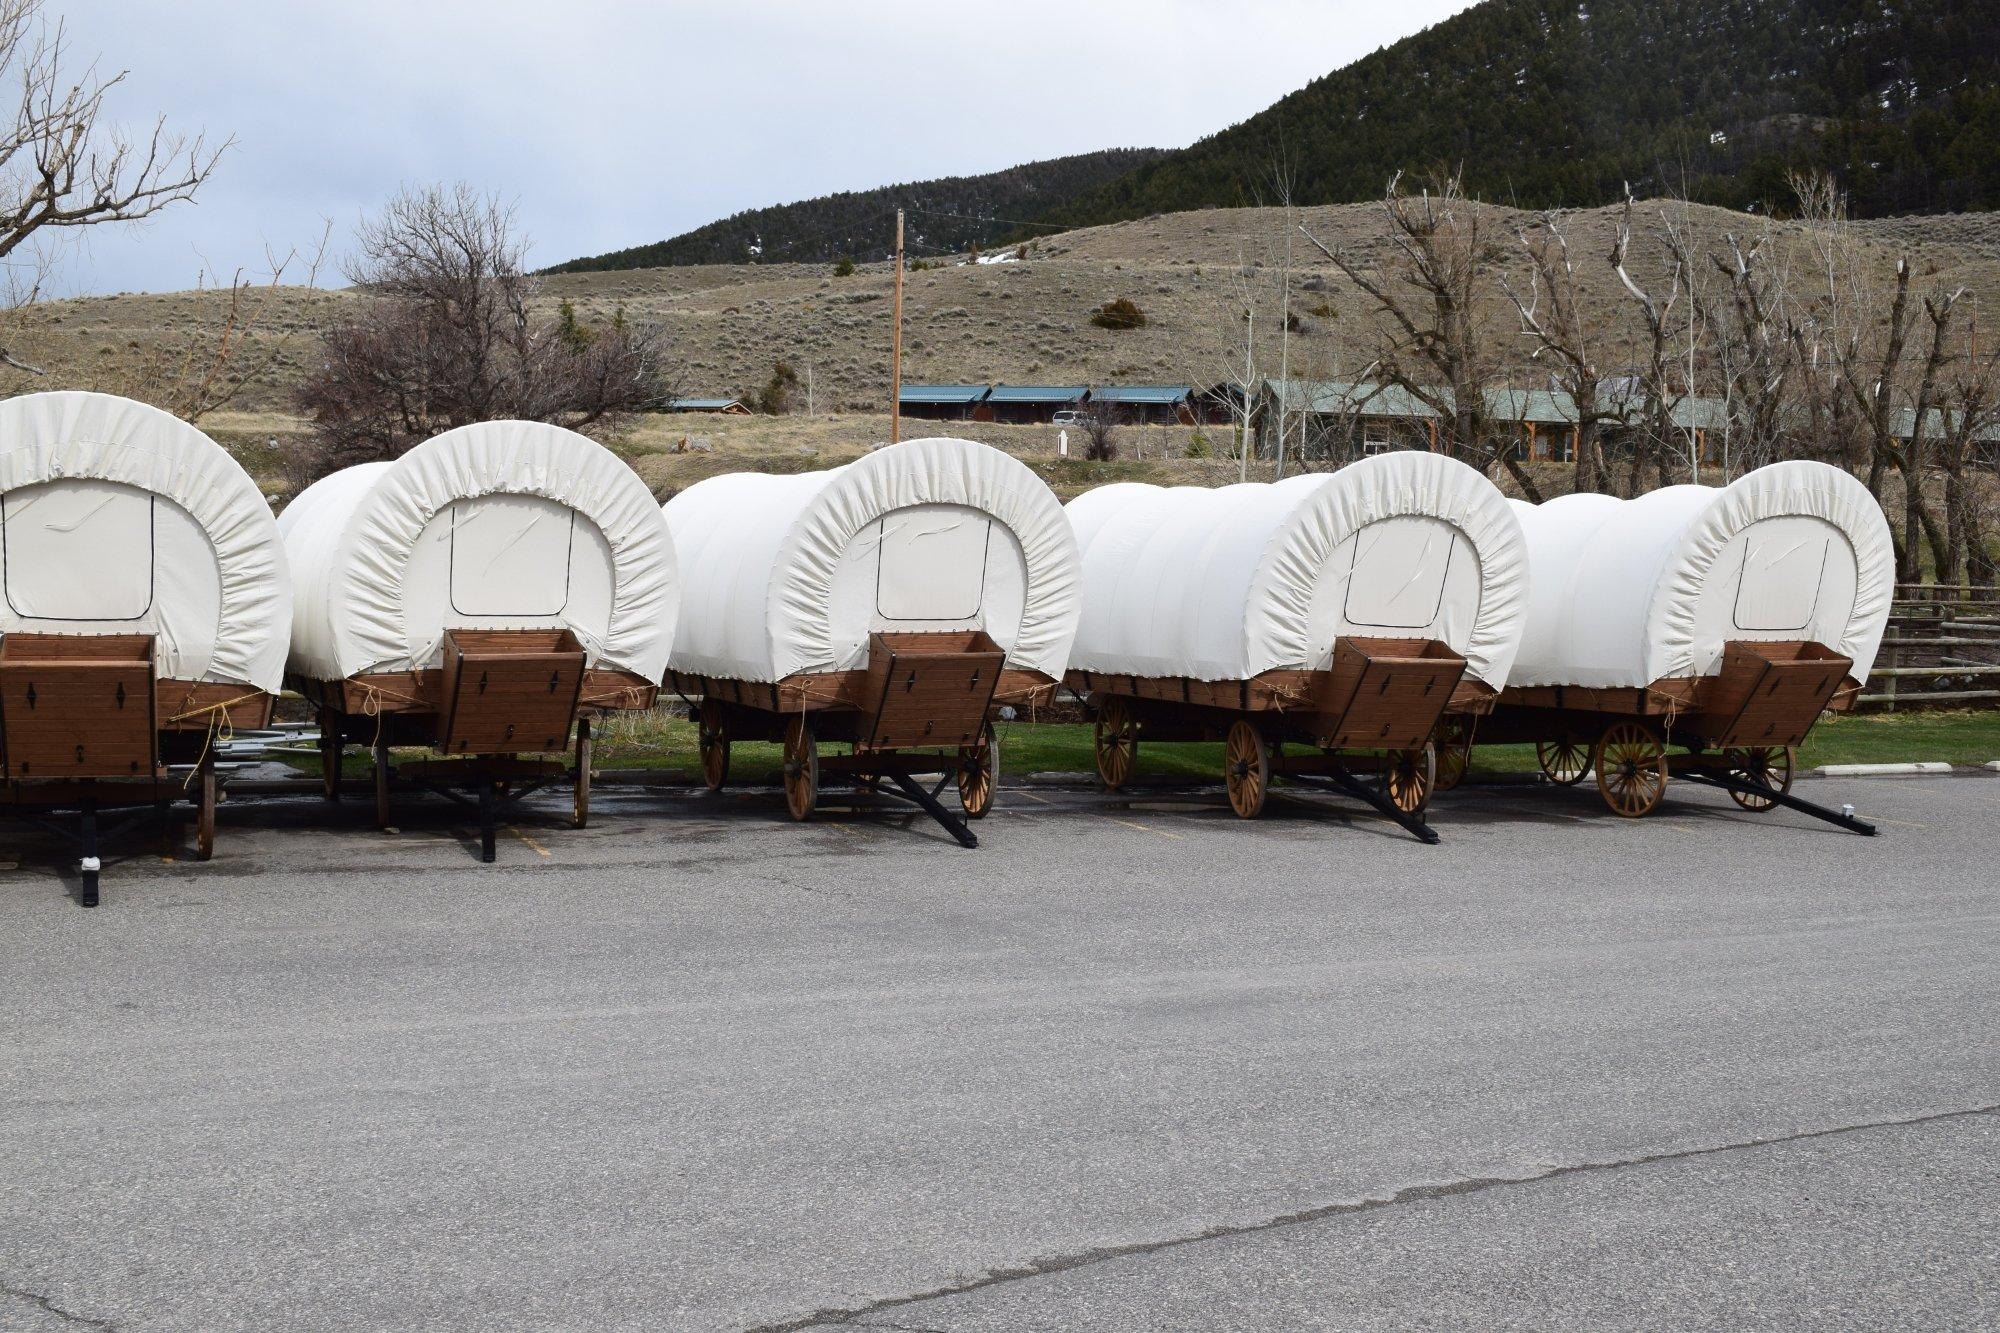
(1129, 1065)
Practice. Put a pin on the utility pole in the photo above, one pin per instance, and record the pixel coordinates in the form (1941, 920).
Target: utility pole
(896, 344)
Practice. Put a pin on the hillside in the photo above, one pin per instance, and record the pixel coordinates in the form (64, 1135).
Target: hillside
(944, 217)
(1558, 103)
(1021, 322)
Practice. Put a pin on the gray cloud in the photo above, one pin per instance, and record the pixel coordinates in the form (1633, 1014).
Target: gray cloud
(613, 125)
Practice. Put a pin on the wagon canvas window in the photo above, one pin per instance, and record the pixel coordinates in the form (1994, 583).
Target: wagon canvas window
(931, 564)
(78, 550)
(510, 556)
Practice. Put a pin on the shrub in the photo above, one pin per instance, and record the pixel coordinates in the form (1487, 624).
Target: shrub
(1118, 314)
(843, 267)
(1198, 446)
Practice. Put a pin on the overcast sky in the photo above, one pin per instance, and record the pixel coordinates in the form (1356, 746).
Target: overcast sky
(617, 124)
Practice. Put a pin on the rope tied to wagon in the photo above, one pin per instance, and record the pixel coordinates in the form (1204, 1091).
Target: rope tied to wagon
(371, 705)
(221, 730)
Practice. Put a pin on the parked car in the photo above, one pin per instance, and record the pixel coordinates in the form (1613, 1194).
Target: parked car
(1069, 416)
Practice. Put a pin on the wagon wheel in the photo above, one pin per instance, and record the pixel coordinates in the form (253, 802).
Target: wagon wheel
(580, 816)
(1246, 768)
(1409, 777)
(1631, 769)
(712, 734)
(1564, 760)
(1770, 765)
(204, 827)
(1117, 742)
(978, 773)
(1453, 740)
(801, 768)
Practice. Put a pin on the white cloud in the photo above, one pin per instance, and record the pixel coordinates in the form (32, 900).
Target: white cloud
(614, 125)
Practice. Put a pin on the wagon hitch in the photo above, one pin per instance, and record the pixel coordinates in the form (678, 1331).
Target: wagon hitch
(1412, 823)
(1731, 782)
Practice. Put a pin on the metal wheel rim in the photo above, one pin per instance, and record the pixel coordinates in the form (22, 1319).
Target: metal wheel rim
(1117, 743)
(1246, 769)
(1768, 764)
(978, 769)
(712, 735)
(801, 768)
(1631, 770)
(1564, 762)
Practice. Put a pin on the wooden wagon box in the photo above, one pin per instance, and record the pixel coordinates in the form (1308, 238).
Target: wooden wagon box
(1740, 728)
(1769, 693)
(78, 706)
(1380, 695)
(920, 693)
(508, 691)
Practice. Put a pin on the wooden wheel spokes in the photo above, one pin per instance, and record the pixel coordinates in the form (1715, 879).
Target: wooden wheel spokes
(1564, 761)
(1117, 737)
(712, 735)
(1246, 765)
(1409, 777)
(801, 768)
(1631, 769)
(1766, 765)
(978, 773)
(1453, 741)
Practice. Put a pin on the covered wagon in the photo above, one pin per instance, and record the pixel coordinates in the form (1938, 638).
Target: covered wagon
(1722, 621)
(146, 612)
(892, 605)
(484, 595)
(1348, 615)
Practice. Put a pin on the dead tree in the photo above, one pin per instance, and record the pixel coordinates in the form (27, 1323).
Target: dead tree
(234, 341)
(446, 336)
(1099, 423)
(63, 167)
(1653, 431)
(1552, 317)
(1753, 351)
(1434, 351)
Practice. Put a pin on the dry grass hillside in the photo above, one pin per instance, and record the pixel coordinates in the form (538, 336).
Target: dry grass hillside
(1020, 322)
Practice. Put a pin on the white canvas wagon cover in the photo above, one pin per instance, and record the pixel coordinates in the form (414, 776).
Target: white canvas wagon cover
(1227, 583)
(118, 518)
(499, 525)
(790, 574)
(1628, 592)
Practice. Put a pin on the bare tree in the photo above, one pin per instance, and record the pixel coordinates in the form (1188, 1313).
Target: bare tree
(1968, 411)
(1754, 348)
(1552, 317)
(1434, 351)
(1099, 423)
(235, 339)
(62, 166)
(447, 337)
(1651, 424)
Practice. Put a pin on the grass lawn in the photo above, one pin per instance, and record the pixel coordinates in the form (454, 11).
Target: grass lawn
(657, 742)
(1961, 737)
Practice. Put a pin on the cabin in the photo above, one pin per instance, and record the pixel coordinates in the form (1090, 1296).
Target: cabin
(1147, 404)
(729, 407)
(940, 402)
(1031, 404)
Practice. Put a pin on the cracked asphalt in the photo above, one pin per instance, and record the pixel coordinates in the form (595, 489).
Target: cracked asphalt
(1130, 1065)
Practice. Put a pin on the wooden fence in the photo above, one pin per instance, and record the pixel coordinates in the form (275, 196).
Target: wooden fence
(1942, 649)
